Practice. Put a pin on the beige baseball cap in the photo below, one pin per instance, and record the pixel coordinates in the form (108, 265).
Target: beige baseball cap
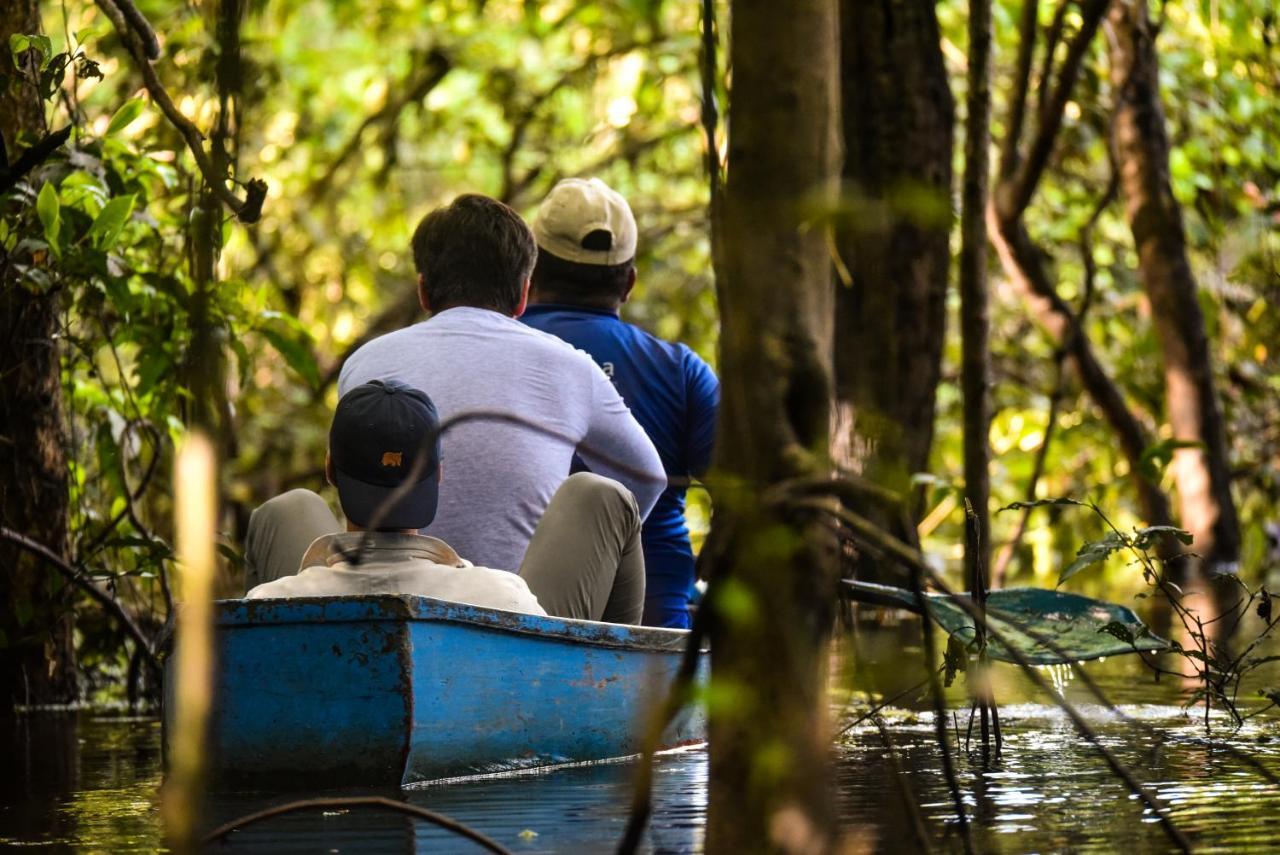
(575, 208)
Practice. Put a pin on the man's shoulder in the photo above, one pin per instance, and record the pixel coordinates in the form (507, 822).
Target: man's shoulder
(307, 582)
(459, 335)
(376, 349)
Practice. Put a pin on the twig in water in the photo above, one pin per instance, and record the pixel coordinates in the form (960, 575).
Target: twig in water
(439, 819)
(939, 706)
(914, 561)
(880, 706)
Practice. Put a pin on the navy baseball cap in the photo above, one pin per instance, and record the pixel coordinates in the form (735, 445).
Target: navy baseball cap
(383, 434)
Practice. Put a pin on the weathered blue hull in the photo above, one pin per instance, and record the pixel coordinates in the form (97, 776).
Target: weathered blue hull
(395, 689)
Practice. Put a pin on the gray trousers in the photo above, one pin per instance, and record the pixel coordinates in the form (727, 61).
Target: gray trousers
(584, 561)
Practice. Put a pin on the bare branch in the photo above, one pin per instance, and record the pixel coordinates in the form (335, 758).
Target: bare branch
(1055, 397)
(1016, 194)
(448, 823)
(111, 605)
(141, 28)
(1022, 82)
(1025, 263)
(32, 157)
(1052, 39)
(248, 209)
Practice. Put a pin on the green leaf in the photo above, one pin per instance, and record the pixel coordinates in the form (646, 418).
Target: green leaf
(1045, 627)
(1040, 503)
(1146, 538)
(296, 350)
(106, 229)
(50, 213)
(1093, 552)
(20, 44)
(17, 44)
(128, 111)
(1121, 631)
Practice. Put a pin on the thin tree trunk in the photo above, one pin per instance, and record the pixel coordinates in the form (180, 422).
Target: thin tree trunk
(1027, 265)
(37, 655)
(769, 740)
(974, 319)
(1141, 147)
(897, 115)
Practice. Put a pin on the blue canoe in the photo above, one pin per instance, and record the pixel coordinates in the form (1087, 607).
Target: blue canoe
(390, 690)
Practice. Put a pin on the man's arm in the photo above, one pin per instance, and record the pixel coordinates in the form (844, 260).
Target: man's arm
(617, 447)
(702, 405)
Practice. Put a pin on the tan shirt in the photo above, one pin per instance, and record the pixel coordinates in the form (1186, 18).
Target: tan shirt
(391, 563)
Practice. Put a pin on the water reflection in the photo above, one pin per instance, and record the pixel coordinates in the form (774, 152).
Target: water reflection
(89, 782)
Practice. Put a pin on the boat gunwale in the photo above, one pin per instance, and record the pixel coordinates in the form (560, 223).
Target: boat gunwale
(411, 608)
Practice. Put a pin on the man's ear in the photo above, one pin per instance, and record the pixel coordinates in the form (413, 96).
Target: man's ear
(631, 283)
(440, 472)
(330, 474)
(524, 299)
(423, 299)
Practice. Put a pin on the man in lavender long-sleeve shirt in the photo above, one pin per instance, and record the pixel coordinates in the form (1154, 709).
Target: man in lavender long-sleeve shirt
(537, 400)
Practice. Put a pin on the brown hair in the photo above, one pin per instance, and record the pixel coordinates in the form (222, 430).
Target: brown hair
(474, 252)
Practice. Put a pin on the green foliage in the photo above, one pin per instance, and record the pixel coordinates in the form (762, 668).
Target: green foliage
(337, 113)
(1094, 552)
(1219, 80)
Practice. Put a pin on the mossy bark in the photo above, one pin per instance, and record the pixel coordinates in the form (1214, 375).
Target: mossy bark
(37, 656)
(774, 569)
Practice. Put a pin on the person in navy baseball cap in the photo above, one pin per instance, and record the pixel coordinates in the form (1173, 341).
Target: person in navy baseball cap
(584, 560)
(385, 434)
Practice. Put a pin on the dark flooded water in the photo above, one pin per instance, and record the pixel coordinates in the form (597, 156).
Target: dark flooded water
(89, 782)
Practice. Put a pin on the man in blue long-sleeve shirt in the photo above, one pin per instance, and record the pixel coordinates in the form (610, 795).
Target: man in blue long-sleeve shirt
(585, 271)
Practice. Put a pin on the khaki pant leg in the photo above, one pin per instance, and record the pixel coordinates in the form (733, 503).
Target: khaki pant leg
(585, 559)
(280, 530)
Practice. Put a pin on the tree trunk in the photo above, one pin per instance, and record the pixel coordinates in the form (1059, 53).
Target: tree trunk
(1028, 266)
(891, 315)
(37, 656)
(1141, 146)
(773, 577)
(974, 317)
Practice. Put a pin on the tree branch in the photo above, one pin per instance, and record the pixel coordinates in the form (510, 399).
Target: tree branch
(141, 28)
(1025, 264)
(1022, 83)
(1016, 194)
(32, 157)
(111, 605)
(678, 696)
(1055, 397)
(1052, 39)
(248, 209)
